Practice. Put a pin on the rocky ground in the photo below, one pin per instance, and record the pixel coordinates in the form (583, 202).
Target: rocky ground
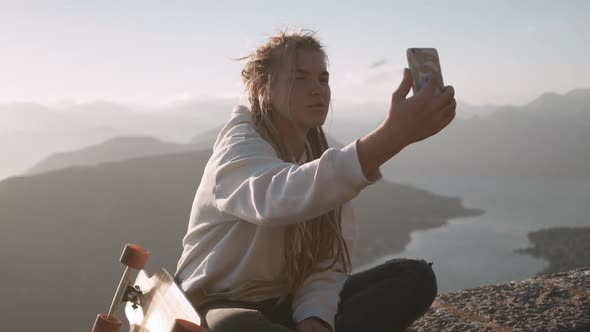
(556, 302)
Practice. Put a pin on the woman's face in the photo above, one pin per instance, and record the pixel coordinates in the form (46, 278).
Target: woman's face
(307, 105)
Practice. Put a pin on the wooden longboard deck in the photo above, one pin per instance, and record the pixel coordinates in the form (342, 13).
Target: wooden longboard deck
(163, 302)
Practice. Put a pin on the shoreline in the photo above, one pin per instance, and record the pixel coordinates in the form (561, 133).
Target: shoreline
(564, 248)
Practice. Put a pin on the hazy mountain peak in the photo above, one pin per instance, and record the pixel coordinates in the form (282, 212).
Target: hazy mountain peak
(579, 92)
(575, 98)
(113, 149)
(131, 139)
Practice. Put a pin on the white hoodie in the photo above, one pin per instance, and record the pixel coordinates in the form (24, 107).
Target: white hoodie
(247, 196)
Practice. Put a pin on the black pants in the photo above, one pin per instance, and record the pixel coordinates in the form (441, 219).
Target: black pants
(387, 297)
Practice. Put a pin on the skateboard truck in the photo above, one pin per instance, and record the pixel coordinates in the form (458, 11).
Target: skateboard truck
(133, 295)
(133, 257)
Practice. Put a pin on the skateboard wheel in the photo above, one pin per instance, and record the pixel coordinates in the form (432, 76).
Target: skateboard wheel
(181, 325)
(134, 256)
(104, 324)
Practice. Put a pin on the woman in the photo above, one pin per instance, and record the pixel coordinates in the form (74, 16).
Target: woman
(272, 229)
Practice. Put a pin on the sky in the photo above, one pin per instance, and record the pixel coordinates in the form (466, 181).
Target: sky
(159, 52)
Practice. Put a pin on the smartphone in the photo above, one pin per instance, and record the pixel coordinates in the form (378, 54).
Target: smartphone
(423, 62)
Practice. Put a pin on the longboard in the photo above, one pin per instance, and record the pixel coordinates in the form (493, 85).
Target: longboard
(152, 304)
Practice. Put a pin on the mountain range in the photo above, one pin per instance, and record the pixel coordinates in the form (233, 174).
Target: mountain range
(63, 231)
(100, 181)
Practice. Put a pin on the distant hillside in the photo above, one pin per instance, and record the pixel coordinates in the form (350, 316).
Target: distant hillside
(548, 137)
(564, 247)
(63, 231)
(30, 132)
(176, 122)
(20, 150)
(114, 149)
(572, 106)
(123, 148)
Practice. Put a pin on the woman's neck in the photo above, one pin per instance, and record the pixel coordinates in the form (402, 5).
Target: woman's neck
(292, 135)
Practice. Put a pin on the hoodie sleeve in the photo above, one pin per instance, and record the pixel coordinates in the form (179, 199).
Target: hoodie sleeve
(319, 295)
(253, 184)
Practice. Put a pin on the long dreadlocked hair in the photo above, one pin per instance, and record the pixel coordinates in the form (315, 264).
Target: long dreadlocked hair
(308, 242)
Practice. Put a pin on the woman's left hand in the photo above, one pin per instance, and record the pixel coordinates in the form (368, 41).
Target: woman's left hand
(313, 324)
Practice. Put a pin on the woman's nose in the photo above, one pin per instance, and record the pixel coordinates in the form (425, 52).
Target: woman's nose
(316, 88)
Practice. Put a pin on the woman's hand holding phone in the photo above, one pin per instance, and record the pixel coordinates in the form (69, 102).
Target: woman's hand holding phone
(422, 115)
(409, 120)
